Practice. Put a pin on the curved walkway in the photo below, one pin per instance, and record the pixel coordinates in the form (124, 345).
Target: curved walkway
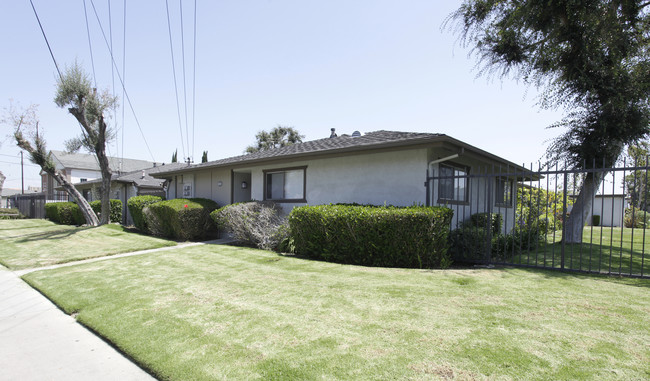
(38, 341)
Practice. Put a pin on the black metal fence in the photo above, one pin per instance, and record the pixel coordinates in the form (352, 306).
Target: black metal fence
(32, 205)
(524, 217)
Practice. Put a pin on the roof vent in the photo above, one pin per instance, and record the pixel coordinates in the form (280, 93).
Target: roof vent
(333, 134)
(143, 174)
(356, 134)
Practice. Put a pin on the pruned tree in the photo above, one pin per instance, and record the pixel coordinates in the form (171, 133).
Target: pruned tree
(590, 58)
(280, 136)
(204, 157)
(28, 137)
(75, 91)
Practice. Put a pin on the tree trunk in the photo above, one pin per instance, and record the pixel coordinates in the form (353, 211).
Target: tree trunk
(581, 210)
(105, 189)
(86, 210)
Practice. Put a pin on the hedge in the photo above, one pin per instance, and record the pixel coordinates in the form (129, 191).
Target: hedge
(183, 219)
(414, 237)
(115, 209)
(62, 212)
(69, 213)
(136, 205)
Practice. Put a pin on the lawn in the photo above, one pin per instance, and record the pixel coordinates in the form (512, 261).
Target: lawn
(604, 249)
(37, 243)
(222, 312)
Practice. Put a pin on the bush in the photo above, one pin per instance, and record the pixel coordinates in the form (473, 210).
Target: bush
(184, 219)
(115, 209)
(61, 212)
(10, 214)
(372, 236)
(472, 244)
(135, 205)
(483, 220)
(639, 219)
(255, 223)
(595, 220)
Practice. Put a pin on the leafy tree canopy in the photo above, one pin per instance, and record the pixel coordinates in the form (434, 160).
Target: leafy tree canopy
(589, 57)
(280, 136)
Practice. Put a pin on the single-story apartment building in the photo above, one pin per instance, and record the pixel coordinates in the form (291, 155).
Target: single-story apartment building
(380, 167)
(125, 186)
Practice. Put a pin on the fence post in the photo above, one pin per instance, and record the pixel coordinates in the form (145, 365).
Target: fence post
(564, 227)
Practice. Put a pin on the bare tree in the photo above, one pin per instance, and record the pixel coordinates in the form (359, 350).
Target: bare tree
(27, 136)
(75, 91)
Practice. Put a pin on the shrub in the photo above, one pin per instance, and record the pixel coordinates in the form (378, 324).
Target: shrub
(184, 219)
(472, 244)
(638, 219)
(483, 220)
(10, 214)
(255, 223)
(595, 220)
(372, 236)
(61, 212)
(135, 205)
(115, 209)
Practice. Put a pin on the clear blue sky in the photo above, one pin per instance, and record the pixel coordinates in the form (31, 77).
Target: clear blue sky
(351, 65)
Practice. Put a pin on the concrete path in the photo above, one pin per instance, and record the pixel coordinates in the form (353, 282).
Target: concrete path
(40, 342)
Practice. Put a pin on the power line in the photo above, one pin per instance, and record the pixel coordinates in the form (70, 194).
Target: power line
(90, 46)
(194, 79)
(171, 46)
(46, 41)
(10, 162)
(187, 133)
(123, 72)
(126, 94)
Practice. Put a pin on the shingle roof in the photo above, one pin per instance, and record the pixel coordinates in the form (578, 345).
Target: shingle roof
(136, 178)
(89, 162)
(376, 139)
(342, 145)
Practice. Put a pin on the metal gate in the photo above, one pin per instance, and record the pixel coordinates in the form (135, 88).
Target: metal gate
(519, 217)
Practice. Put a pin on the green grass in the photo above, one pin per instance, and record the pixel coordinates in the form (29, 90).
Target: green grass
(221, 312)
(37, 243)
(603, 249)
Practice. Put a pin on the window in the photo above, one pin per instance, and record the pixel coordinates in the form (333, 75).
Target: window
(285, 184)
(503, 192)
(82, 180)
(453, 186)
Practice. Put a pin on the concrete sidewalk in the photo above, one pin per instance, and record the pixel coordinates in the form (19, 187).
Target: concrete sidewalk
(40, 342)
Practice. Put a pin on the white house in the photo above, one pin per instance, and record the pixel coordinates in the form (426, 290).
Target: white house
(381, 167)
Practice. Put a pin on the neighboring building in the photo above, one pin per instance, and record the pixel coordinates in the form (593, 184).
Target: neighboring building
(610, 208)
(381, 167)
(79, 167)
(6, 194)
(125, 186)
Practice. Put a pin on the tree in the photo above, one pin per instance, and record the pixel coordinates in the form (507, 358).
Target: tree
(29, 139)
(589, 58)
(204, 158)
(637, 183)
(175, 156)
(280, 136)
(74, 90)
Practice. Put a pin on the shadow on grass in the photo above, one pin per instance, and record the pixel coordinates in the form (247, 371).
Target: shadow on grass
(56, 234)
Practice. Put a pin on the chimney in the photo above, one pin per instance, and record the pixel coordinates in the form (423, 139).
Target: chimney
(143, 174)
(333, 134)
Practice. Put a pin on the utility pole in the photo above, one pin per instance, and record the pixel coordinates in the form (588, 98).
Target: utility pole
(22, 173)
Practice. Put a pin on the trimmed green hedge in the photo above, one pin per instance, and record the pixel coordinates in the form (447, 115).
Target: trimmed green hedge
(62, 212)
(414, 237)
(136, 205)
(115, 209)
(183, 219)
(69, 213)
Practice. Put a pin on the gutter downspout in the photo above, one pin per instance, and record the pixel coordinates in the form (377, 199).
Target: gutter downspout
(430, 170)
